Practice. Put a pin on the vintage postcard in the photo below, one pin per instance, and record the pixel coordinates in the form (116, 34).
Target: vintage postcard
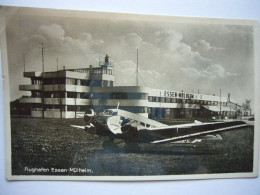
(109, 96)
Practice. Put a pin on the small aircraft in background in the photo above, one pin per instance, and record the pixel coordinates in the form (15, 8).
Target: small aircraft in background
(130, 127)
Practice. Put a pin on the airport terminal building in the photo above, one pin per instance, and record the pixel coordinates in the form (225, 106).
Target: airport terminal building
(68, 93)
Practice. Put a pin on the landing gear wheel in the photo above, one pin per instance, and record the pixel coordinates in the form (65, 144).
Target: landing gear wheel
(90, 130)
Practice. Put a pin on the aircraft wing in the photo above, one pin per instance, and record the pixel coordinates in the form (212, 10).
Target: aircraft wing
(192, 135)
(80, 115)
(78, 127)
(193, 125)
(186, 131)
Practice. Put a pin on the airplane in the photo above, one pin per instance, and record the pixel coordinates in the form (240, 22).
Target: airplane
(134, 128)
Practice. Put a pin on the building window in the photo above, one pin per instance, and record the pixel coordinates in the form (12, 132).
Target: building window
(36, 94)
(82, 108)
(81, 70)
(54, 107)
(84, 95)
(96, 83)
(162, 99)
(173, 100)
(188, 101)
(179, 100)
(167, 100)
(54, 81)
(119, 96)
(71, 108)
(84, 82)
(54, 94)
(36, 82)
(135, 109)
(104, 83)
(70, 81)
(71, 95)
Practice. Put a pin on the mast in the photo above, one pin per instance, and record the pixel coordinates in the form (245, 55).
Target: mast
(137, 71)
(43, 49)
(160, 110)
(43, 106)
(57, 64)
(220, 104)
(23, 62)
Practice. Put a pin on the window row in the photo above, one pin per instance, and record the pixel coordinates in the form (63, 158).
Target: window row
(62, 108)
(102, 70)
(140, 96)
(84, 70)
(190, 101)
(70, 81)
(133, 109)
(36, 81)
(100, 96)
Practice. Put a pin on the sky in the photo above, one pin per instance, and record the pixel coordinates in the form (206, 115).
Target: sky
(173, 54)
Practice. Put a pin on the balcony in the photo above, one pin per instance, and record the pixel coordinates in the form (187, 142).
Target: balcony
(30, 87)
(54, 101)
(66, 101)
(32, 74)
(32, 100)
(77, 101)
(60, 87)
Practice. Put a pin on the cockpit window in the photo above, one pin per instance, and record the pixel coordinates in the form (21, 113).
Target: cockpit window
(141, 123)
(108, 112)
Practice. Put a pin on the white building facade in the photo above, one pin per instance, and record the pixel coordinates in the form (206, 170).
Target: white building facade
(69, 93)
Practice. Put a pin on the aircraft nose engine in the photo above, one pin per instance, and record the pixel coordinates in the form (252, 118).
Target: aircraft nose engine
(89, 114)
(88, 118)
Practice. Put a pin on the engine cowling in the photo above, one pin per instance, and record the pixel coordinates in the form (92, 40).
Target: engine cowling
(89, 118)
(89, 115)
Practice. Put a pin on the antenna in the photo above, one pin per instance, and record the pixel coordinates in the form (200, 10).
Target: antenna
(57, 64)
(99, 59)
(137, 82)
(42, 92)
(43, 49)
(23, 62)
(220, 104)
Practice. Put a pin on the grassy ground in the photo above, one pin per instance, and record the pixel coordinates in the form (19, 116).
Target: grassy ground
(52, 143)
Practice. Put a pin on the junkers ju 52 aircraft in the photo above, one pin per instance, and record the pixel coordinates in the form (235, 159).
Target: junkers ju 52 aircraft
(130, 127)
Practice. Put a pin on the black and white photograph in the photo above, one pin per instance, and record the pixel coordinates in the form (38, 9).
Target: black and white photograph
(114, 96)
